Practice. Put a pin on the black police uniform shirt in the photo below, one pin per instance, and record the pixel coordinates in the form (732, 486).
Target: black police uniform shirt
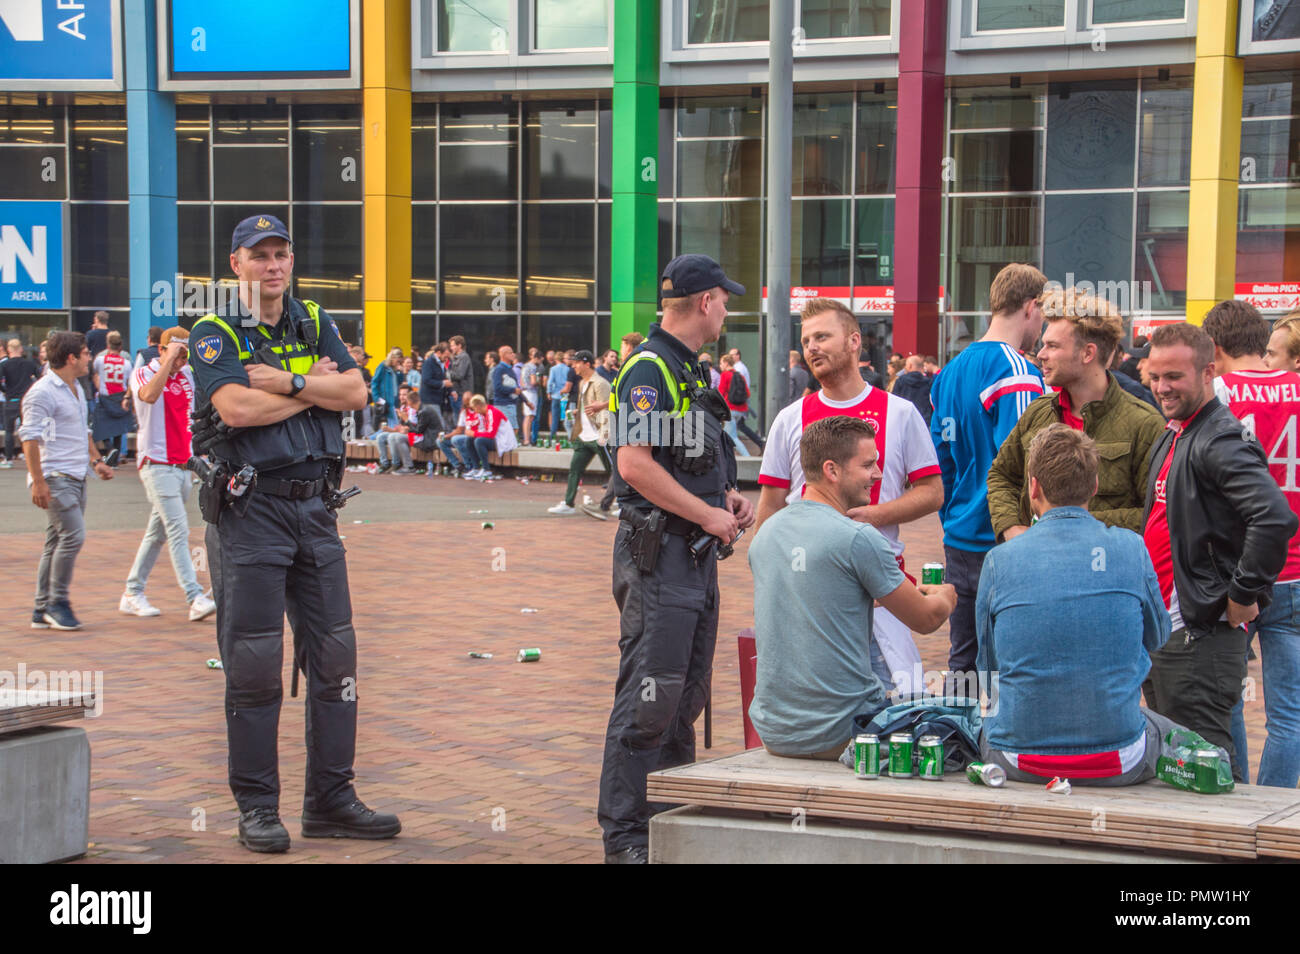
(643, 390)
(219, 365)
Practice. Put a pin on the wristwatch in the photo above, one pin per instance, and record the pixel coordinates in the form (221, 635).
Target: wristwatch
(96, 462)
(299, 382)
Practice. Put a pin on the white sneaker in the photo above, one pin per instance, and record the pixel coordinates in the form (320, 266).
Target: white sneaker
(5, 465)
(202, 608)
(561, 507)
(137, 606)
(471, 474)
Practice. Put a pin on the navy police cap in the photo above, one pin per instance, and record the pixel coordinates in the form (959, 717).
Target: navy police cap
(688, 274)
(255, 228)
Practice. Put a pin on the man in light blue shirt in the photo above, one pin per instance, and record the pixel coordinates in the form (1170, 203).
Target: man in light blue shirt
(59, 454)
(817, 575)
(557, 386)
(1067, 614)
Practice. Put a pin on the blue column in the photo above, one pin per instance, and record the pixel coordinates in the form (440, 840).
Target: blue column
(151, 176)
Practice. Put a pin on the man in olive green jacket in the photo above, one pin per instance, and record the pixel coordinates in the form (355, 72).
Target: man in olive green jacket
(1082, 333)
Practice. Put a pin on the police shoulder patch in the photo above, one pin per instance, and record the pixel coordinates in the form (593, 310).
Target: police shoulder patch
(643, 398)
(209, 348)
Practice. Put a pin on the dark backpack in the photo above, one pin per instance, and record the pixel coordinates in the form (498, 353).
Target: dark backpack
(737, 390)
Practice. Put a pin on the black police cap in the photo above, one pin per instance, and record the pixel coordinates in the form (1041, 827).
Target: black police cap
(255, 228)
(688, 274)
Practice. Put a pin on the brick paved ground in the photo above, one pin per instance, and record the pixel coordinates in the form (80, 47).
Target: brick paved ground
(451, 743)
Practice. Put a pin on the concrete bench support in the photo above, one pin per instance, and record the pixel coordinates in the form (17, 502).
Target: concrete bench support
(693, 835)
(44, 795)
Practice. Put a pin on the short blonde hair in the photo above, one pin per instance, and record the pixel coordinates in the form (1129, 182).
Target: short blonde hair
(819, 306)
(1291, 325)
(1094, 319)
(1013, 286)
(477, 402)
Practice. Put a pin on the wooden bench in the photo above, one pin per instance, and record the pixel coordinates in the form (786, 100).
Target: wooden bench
(44, 777)
(757, 799)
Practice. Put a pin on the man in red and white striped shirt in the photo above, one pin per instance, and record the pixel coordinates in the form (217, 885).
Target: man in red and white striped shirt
(164, 396)
(1268, 403)
(910, 486)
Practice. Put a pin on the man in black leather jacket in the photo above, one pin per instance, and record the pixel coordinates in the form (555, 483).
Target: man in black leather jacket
(1216, 527)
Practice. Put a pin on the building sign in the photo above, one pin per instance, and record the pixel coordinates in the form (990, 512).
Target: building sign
(861, 299)
(32, 257)
(1270, 296)
(243, 44)
(60, 44)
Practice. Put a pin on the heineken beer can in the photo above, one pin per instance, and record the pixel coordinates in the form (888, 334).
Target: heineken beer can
(986, 773)
(931, 758)
(900, 755)
(866, 756)
(528, 655)
(932, 573)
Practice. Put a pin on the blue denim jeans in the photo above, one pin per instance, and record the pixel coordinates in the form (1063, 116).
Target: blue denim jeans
(557, 415)
(512, 415)
(453, 448)
(1278, 628)
(476, 451)
(168, 490)
(963, 572)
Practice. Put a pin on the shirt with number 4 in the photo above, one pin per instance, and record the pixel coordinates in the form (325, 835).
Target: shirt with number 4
(1268, 403)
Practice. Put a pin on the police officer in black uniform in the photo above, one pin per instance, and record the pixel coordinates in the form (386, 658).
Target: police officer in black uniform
(679, 512)
(277, 380)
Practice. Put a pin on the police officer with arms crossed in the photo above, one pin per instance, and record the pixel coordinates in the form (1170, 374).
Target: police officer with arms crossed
(279, 379)
(680, 509)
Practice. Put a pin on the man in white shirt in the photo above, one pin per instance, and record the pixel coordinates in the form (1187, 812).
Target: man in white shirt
(163, 391)
(910, 486)
(59, 455)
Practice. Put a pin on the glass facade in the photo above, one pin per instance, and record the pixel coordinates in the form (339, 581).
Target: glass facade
(1087, 180)
(1018, 15)
(507, 203)
(75, 154)
(301, 163)
(1268, 197)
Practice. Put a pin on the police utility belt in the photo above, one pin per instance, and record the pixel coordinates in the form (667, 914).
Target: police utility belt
(221, 487)
(649, 527)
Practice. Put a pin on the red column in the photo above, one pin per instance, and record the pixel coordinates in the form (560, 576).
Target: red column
(918, 190)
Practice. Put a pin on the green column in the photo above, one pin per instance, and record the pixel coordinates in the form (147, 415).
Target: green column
(634, 218)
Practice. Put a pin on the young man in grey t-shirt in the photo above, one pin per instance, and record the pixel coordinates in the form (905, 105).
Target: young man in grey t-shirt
(817, 575)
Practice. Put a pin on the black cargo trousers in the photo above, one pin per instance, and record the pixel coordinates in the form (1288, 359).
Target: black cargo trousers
(284, 556)
(668, 627)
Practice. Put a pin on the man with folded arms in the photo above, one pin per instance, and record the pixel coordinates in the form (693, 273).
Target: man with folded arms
(817, 576)
(1065, 615)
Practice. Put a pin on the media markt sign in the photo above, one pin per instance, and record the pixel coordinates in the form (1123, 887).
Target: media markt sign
(60, 44)
(32, 273)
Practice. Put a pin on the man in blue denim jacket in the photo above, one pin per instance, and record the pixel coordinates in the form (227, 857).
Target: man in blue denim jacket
(1066, 615)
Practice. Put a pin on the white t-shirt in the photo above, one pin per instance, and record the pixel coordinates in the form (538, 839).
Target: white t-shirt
(902, 440)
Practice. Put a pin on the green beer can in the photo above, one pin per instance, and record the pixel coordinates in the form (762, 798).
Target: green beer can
(986, 773)
(900, 755)
(930, 762)
(528, 655)
(932, 574)
(866, 756)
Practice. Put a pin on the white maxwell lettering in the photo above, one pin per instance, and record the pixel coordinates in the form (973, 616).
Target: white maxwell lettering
(14, 251)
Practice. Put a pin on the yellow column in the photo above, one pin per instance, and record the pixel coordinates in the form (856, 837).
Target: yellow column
(386, 157)
(1216, 158)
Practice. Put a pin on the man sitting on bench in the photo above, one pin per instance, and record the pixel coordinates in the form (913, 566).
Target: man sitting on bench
(1066, 615)
(817, 575)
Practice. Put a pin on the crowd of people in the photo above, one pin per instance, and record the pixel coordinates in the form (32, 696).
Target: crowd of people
(1108, 537)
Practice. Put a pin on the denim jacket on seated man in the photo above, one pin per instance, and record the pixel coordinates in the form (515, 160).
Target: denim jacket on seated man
(1067, 613)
